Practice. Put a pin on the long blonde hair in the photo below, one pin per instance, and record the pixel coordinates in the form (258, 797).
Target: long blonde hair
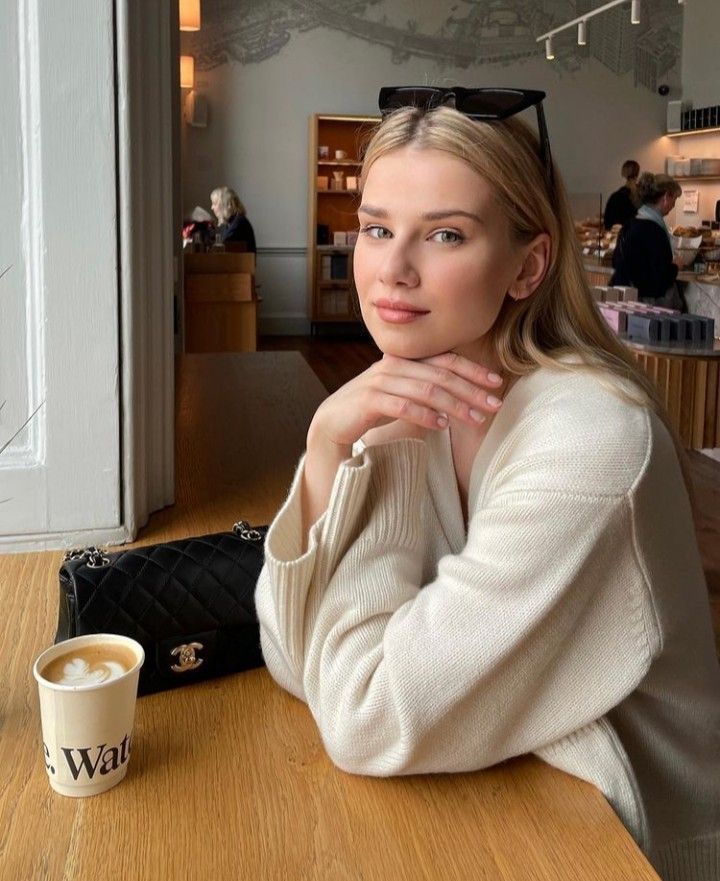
(560, 318)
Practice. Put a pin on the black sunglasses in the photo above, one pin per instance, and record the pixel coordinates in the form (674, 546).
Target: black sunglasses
(483, 104)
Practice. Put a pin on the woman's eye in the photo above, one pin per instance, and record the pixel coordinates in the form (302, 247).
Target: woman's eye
(376, 232)
(447, 236)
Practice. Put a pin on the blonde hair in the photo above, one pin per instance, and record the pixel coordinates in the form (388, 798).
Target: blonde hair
(228, 201)
(560, 318)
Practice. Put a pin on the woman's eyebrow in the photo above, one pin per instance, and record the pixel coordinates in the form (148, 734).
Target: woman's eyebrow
(451, 212)
(375, 211)
(372, 210)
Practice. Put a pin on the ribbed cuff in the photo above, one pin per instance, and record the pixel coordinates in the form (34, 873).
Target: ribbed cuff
(397, 489)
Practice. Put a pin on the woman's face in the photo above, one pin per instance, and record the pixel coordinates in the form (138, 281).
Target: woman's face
(666, 204)
(434, 258)
(215, 205)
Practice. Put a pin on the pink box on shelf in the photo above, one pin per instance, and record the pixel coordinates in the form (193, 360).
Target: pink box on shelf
(615, 319)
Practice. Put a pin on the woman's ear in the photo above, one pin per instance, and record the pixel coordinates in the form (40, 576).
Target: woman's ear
(534, 267)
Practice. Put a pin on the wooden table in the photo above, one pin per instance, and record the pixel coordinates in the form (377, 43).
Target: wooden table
(228, 779)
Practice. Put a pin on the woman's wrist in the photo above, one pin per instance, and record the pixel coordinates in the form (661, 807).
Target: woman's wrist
(323, 457)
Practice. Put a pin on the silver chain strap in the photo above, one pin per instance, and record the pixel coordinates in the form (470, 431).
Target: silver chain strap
(245, 531)
(94, 558)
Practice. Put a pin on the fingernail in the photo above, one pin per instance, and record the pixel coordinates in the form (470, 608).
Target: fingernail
(442, 421)
(477, 416)
(493, 401)
(493, 377)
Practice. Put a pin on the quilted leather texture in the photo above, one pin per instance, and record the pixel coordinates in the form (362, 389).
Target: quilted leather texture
(198, 590)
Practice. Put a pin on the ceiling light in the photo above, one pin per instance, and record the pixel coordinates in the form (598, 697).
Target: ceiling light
(549, 54)
(582, 33)
(635, 12)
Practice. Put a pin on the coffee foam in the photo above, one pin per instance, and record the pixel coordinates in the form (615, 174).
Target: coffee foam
(78, 672)
(89, 665)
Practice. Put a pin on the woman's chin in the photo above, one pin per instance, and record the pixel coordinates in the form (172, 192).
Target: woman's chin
(408, 350)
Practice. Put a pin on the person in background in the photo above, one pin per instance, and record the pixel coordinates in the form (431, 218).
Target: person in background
(488, 548)
(623, 203)
(643, 255)
(232, 218)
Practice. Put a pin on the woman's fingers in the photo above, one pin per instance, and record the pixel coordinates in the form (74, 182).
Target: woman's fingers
(470, 386)
(467, 369)
(443, 395)
(419, 393)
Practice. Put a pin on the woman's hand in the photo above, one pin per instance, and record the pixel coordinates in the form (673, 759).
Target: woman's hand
(410, 396)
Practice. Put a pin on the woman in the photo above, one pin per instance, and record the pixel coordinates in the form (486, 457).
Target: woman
(233, 223)
(623, 203)
(505, 562)
(643, 256)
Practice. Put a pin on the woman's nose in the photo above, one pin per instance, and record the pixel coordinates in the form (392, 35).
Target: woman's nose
(398, 267)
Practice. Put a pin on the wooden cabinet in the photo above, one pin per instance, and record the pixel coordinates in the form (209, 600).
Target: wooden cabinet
(220, 302)
(336, 147)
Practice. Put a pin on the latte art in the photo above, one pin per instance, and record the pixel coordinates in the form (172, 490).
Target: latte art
(79, 672)
(90, 665)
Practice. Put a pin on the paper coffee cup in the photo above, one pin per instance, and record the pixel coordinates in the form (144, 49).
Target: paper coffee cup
(87, 710)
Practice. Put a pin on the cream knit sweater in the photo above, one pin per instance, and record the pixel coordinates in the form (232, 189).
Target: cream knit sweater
(570, 620)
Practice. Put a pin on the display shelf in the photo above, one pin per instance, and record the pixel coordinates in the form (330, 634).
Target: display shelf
(691, 133)
(344, 162)
(330, 299)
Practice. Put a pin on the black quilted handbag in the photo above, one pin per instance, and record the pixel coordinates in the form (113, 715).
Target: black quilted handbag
(189, 603)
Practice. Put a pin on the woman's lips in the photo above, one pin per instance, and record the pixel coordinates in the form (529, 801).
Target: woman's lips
(397, 312)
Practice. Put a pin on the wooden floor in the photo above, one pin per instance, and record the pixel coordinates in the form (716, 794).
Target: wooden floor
(335, 361)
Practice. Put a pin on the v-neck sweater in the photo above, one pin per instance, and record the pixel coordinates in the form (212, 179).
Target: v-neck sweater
(570, 620)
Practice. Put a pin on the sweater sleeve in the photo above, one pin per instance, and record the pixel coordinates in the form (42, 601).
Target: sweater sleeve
(539, 626)
(291, 581)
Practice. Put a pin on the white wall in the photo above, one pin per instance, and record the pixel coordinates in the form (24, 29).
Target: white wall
(701, 87)
(701, 53)
(256, 140)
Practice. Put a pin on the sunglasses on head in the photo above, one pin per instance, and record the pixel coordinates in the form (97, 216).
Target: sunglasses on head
(487, 105)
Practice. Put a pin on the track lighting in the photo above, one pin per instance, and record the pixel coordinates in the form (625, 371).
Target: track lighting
(582, 20)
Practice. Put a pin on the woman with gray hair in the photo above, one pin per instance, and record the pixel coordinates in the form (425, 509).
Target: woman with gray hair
(643, 256)
(232, 218)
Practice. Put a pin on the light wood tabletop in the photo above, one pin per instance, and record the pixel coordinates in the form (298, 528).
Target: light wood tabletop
(228, 779)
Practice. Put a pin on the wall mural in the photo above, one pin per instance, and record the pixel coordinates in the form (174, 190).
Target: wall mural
(460, 34)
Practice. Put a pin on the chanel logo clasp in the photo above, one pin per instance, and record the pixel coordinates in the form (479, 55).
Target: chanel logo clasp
(186, 657)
